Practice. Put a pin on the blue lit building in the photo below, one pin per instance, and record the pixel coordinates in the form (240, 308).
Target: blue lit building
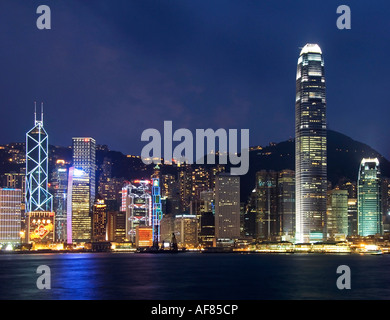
(156, 209)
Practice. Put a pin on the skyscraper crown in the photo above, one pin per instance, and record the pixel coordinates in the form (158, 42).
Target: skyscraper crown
(311, 48)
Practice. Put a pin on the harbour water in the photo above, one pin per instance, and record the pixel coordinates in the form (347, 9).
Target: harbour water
(193, 276)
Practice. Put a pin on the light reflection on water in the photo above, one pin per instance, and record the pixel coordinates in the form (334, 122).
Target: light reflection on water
(83, 276)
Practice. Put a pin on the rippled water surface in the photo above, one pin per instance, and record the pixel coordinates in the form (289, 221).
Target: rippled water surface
(193, 276)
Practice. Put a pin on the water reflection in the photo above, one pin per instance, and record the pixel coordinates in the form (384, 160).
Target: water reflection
(193, 276)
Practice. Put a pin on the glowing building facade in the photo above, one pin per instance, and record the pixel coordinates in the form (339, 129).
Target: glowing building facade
(99, 221)
(41, 227)
(186, 230)
(156, 210)
(268, 222)
(137, 203)
(310, 145)
(10, 216)
(81, 190)
(59, 190)
(38, 197)
(286, 203)
(337, 214)
(227, 207)
(369, 198)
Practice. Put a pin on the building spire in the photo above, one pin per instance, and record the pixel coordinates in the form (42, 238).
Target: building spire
(35, 112)
(42, 112)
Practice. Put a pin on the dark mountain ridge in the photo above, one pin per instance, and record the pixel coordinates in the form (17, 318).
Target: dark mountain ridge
(344, 157)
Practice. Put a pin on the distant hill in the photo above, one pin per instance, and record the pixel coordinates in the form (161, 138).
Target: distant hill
(344, 157)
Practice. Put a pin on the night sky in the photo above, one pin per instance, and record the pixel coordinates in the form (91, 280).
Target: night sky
(111, 69)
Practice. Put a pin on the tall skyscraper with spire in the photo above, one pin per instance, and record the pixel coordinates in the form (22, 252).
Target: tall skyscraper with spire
(310, 145)
(38, 197)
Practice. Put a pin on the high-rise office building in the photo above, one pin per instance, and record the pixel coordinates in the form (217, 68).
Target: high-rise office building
(109, 187)
(84, 158)
(168, 182)
(186, 230)
(286, 203)
(337, 214)
(81, 189)
(227, 207)
(79, 208)
(207, 201)
(137, 203)
(351, 188)
(10, 216)
(59, 190)
(16, 180)
(185, 186)
(167, 225)
(352, 217)
(41, 227)
(386, 204)
(268, 223)
(116, 226)
(249, 223)
(310, 145)
(369, 198)
(38, 197)
(156, 210)
(200, 181)
(207, 229)
(99, 221)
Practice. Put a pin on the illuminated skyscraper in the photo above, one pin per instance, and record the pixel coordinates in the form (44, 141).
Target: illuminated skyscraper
(227, 206)
(116, 226)
(268, 223)
(337, 214)
(137, 203)
(286, 202)
(186, 230)
(10, 216)
(37, 196)
(81, 189)
(310, 145)
(59, 189)
(156, 210)
(99, 221)
(351, 188)
(84, 158)
(369, 198)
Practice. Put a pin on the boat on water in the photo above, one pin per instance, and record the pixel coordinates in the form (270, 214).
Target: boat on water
(158, 250)
(217, 250)
(374, 252)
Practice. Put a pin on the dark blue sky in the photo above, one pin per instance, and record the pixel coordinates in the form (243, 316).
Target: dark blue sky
(110, 69)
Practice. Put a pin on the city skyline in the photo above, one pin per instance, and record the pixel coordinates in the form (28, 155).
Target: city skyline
(311, 181)
(194, 157)
(188, 69)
